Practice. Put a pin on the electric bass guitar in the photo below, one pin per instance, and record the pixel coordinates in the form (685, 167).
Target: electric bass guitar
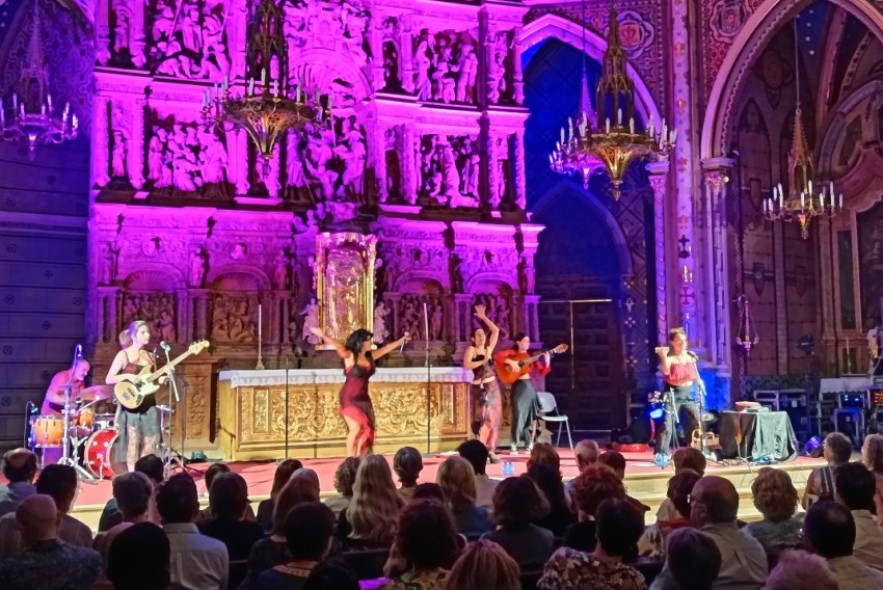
(508, 375)
(131, 395)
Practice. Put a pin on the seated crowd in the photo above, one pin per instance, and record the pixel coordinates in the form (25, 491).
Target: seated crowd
(465, 531)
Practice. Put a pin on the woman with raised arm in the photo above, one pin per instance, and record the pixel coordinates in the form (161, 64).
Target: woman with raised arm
(679, 374)
(488, 403)
(355, 403)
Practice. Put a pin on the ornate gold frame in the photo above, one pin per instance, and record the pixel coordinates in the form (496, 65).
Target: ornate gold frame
(344, 283)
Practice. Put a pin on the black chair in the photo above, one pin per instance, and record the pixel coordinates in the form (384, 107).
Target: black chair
(649, 568)
(530, 578)
(236, 573)
(368, 563)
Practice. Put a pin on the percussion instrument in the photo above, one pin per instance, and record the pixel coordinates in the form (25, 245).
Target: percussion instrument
(98, 456)
(47, 431)
(96, 393)
(84, 418)
(104, 420)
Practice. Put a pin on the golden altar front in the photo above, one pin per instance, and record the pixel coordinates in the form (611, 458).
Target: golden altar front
(252, 417)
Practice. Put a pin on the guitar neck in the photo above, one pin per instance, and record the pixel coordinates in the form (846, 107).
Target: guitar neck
(168, 366)
(535, 357)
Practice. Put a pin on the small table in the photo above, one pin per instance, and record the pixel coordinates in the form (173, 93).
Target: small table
(751, 435)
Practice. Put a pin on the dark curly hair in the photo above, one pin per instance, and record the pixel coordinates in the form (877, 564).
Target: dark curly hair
(593, 486)
(518, 501)
(680, 486)
(355, 340)
(427, 534)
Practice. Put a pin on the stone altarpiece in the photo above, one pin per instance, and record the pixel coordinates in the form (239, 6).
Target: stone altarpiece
(424, 154)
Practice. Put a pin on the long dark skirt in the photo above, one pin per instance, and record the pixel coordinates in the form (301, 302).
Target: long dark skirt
(525, 411)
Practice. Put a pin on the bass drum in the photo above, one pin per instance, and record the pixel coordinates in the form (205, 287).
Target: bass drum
(99, 455)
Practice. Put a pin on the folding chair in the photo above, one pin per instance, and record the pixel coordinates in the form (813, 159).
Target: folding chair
(549, 407)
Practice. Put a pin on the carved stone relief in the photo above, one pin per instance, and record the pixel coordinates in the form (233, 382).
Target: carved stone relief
(158, 309)
(450, 169)
(445, 66)
(500, 66)
(234, 318)
(189, 40)
(412, 319)
(187, 157)
(499, 310)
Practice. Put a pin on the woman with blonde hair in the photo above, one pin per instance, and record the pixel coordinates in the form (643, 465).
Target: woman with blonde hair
(872, 457)
(457, 480)
(484, 565)
(370, 519)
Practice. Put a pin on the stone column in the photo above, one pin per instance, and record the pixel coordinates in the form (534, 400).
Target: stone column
(136, 145)
(410, 174)
(380, 160)
(100, 174)
(493, 170)
(138, 43)
(406, 54)
(102, 25)
(518, 74)
(198, 305)
(659, 181)
(238, 161)
(518, 166)
(462, 313)
(377, 51)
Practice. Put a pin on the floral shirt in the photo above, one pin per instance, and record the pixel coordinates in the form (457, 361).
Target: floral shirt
(51, 565)
(425, 580)
(569, 569)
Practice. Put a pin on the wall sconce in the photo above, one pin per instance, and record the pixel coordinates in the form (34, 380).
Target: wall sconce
(685, 249)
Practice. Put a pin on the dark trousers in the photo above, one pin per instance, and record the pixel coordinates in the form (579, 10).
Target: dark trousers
(525, 411)
(689, 416)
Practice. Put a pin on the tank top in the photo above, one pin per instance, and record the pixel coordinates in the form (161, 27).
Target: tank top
(681, 374)
(484, 370)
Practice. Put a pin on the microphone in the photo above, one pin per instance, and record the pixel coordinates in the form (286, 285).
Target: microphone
(79, 351)
(165, 346)
(402, 347)
(692, 355)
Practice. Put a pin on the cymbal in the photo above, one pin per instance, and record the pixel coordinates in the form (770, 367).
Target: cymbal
(97, 392)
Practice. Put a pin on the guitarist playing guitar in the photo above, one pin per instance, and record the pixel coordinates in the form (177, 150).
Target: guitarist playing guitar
(514, 368)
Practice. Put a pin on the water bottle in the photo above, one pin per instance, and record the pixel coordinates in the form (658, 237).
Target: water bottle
(508, 469)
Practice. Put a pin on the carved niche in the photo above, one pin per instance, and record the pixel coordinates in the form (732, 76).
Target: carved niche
(234, 309)
(499, 310)
(189, 40)
(391, 35)
(158, 309)
(393, 148)
(450, 171)
(501, 67)
(417, 313)
(446, 66)
(121, 42)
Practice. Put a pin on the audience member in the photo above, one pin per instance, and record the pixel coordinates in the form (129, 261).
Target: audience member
(855, 488)
(344, 478)
(19, 469)
(476, 453)
(265, 507)
(370, 520)
(457, 481)
(549, 481)
(47, 562)
(680, 486)
(427, 542)
(138, 558)
(820, 484)
(214, 470)
(517, 503)
(830, 532)
(332, 575)
(197, 561)
(799, 570)
(776, 498)
(591, 487)
(308, 531)
(683, 458)
(152, 467)
(407, 463)
(616, 461)
(872, 457)
(484, 565)
(429, 491)
(693, 559)
(133, 493)
(714, 504)
(587, 454)
(60, 483)
(544, 453)
(619, 525)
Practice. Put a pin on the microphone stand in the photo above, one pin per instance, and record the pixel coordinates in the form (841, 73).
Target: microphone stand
(428, 378)
(286, 406)
(171, 457)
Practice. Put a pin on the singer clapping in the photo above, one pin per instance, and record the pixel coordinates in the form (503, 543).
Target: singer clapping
(138, 428)
(355, 403)
(679, 373)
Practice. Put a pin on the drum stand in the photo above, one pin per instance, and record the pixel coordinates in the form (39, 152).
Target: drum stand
(68, 438)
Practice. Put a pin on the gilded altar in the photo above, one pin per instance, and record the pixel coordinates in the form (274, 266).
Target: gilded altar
(252, 411)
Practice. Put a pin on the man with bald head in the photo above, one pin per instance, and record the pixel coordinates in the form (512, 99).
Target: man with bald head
(714, 504)
(19, 468)
(587, 453)
(47, 563)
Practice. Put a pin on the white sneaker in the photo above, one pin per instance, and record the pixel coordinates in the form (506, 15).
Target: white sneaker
(513, 448)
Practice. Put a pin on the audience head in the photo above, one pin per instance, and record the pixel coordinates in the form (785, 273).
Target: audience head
(594, 485)
(228, 496)
(587, 453)
(283, 473)
(177, 500)
(132, 491)
(152, 467)
(301, 488)
(855, 486)
(429, 491)
(829, 529)
(332, 574)
(60, 482)
(138, 558)
(619, 526)
(345, 476)
(872, 453)
(484, 565)
(308, 531)
(214, 470)
(680, 487)
(427, 535)
(476, 453)
(408, 463)
(517, 502)
(545, 454)
(774, 494)
(693, 559)
(19, 466)
(614, 461)
(548, 479)
(37, 518)
(689, 458)
(373, 511)
(838, 448)
(457, 481)
(714, 501)
(799, 570)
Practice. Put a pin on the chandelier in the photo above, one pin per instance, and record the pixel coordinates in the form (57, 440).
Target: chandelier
(266, 110)
(33, 116)
(607, 140)
(805, 199)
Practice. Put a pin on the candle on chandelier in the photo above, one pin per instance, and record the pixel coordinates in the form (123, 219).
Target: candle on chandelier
(14, 101)
(841, 200)
(260, 330)
(822, 199)
(607, 125)
(226, 82)
(632, 125)
(674, 134)
(801, 200)
(49, 101)
(75, 122)
(619, 117)
(562, 135)
(263, 76)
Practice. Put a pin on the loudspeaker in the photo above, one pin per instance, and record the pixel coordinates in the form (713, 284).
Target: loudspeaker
(851, 422)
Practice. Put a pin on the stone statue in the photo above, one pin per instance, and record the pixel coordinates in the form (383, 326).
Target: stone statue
(166, 326)
(435, 321)
(422, 63)
(280, 272)
(380, 331)
(197, 267)
(311, 320)
(119, 155)
(215, 63)
(121, 30)
(109, 266)
(468, 73)
(454, 263)
(498, 50)
(391, 79)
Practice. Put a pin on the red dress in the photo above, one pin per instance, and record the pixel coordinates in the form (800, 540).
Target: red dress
(355, 402)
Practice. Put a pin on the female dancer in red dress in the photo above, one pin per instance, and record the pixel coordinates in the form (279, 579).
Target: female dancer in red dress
(355, 403)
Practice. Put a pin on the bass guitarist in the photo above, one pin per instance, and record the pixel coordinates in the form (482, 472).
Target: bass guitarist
(525, 402)
(139, 427)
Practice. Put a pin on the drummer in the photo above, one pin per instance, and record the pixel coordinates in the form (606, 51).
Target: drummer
(53, 403)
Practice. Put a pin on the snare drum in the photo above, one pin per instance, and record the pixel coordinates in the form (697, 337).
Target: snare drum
(47, 431)
(102, 421)
(99, 454)
(85, 418)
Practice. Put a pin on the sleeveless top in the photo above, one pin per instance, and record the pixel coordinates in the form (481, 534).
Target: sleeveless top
(484, 370)
(680, 374)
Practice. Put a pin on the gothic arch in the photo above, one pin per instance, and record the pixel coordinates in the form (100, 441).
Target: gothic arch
(837, 121)
(230, 271)
(754, 36)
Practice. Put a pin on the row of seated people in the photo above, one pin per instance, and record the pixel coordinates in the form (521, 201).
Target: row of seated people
(454, 533)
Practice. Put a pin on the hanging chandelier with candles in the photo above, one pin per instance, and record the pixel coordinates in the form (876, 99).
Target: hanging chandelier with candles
(33, 116)
(607, 140)
(805, 198)
(270, 107)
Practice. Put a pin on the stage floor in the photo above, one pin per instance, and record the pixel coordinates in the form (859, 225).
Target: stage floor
(644, 480)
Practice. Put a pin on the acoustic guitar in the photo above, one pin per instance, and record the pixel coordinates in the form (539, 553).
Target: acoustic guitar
(131, 395)
(508, 375)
